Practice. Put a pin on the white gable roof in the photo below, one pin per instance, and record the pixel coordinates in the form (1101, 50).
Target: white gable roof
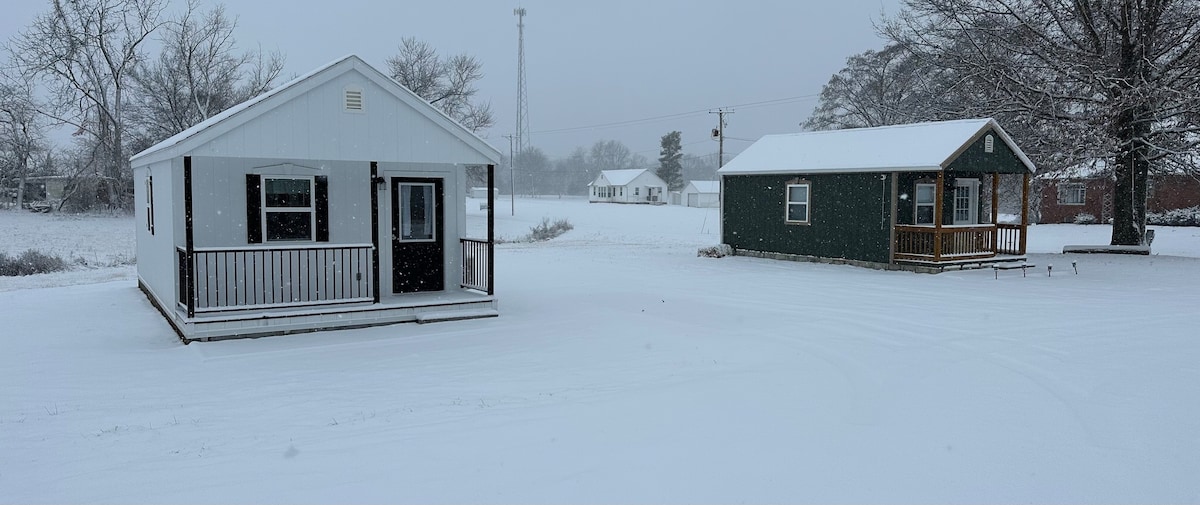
(621, 177)
(899, 148)
(706, 186)
(245, 112)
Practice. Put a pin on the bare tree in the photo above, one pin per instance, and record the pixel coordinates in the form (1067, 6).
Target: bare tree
(876, 88)
(21, 132)
(448, 84)
(1121, 77)
(199, 73)
(84, 50)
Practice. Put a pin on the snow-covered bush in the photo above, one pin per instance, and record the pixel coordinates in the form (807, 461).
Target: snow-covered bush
(717, 251)
(1178, 217)
(1084, 218)
(30, 262)
(547, 230)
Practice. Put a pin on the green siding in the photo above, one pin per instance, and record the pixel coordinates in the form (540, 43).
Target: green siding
(850, 216)
(1001, 160)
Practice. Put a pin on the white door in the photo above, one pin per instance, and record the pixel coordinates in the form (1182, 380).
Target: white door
(966, 201)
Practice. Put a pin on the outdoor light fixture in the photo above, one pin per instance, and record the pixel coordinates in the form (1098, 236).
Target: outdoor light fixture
(380, 182)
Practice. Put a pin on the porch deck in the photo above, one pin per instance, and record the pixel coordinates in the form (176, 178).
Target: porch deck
(415, 307)
(957, 244)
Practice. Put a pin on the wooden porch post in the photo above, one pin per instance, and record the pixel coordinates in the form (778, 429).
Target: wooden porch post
(1024, 209)
(937, 216)
(995, 211)
(189, 240)
(374, 232)
(491, 225)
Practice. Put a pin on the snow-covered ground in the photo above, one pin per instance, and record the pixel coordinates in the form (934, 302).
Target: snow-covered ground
(625, 369)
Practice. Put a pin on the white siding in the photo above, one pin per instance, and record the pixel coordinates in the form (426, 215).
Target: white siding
(387, 130)
(156, 253)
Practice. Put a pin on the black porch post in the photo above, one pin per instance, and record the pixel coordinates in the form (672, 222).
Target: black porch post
(491, 224)
(374, 232)
(189, 240)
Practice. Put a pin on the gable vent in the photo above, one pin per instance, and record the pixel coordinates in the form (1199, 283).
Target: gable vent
(989, 144)
(354, 100)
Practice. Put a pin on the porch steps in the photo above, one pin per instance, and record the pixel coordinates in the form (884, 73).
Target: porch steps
(455, 315)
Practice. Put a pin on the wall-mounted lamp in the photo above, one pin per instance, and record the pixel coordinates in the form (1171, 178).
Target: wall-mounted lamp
(380, 182)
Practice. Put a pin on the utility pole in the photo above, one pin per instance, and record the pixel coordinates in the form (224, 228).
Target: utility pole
(512, 192)
(522, 133)
(718, 134)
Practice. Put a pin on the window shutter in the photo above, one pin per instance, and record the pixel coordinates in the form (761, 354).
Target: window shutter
(254, 230)
(321, 204)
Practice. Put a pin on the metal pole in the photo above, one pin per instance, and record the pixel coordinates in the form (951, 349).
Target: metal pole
(512, 180)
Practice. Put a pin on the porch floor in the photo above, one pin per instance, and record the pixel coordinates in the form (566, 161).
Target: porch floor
(449, 305)
(950, 264)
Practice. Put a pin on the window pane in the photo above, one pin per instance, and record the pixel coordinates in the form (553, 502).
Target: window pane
(797, 212)
(798, 194)
(925, 193)
(417, 219)
(288, 192)
(289, 226)
(924, 214)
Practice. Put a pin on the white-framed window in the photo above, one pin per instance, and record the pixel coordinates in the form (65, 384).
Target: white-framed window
(799, 197)
(636, 191)
(418, 219)
(1072, 193)
(287, 208)
(150, 204)
(924, 202)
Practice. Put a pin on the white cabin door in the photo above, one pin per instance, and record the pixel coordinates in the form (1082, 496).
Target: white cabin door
(966, 201)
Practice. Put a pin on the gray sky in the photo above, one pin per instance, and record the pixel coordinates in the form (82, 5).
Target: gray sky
(592, 63)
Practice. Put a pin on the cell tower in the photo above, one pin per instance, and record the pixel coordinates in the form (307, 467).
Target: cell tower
(522, 135)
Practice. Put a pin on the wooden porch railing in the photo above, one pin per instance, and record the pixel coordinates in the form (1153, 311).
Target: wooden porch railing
(477, 265)
(1010, 239)
(927, 243)
(273, 277)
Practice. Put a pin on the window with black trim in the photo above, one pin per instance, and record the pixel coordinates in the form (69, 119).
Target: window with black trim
(924, 203)
(150, 204)
(288, 211)
(1072, 193)
(418, 221)
(799, 195)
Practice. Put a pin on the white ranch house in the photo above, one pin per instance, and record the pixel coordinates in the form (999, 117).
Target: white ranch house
(702, 194)
(336, 200)
(635, 185)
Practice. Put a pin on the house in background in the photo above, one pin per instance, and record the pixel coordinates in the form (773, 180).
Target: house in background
(918, 196)
(701, 194)
(635, 185)
(336, 200)
(1084, 193)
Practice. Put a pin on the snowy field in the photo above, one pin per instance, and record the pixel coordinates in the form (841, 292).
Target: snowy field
(623, 369)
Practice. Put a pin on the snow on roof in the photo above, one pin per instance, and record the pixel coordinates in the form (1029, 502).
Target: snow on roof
(225, 114)
(622, 177)
(910, 147)
(707, 186)
(241, 107)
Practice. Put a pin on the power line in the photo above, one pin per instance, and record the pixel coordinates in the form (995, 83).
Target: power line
(632, 122)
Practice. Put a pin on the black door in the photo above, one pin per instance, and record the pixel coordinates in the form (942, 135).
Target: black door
(418, 253)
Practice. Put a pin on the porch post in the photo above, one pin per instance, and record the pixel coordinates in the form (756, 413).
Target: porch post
(937, 216)
(491, 231)
(892, 218)
(374, 232)
(189, 240)
(1024, 209)
(995, 211)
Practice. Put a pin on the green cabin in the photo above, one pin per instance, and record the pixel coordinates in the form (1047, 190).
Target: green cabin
(922, 196)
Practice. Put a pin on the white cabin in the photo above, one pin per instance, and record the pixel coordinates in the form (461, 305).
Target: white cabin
(336, 200)
(702, 194)
(635, 185)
